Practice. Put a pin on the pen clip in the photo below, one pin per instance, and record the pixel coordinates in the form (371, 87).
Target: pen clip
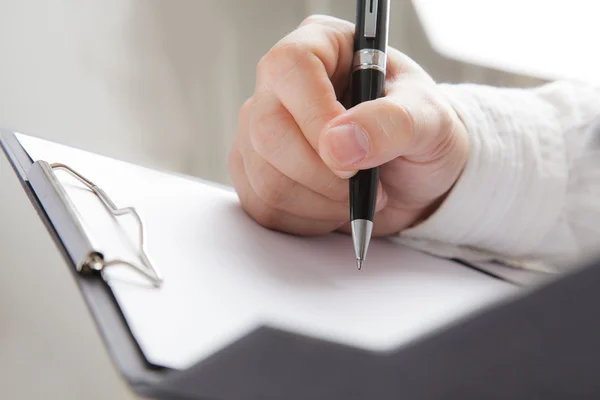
(371, 18)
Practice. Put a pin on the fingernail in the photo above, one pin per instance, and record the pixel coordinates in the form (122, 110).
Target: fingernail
(345, 174)
(381, 199)
(348, 144)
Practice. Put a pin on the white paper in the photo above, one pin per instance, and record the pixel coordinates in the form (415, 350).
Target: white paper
(225, 275)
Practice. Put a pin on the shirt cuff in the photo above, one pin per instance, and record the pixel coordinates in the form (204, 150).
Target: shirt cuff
(512, 189)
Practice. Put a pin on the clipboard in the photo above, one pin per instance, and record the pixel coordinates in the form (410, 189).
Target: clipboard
(270, 363)
(123, 349)
(67, 223)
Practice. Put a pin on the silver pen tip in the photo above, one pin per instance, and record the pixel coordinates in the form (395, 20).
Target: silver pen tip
(359, 263)
(361, 236)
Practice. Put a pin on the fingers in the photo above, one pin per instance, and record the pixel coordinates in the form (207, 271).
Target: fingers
(275, 136)
(303, 69)
(274, 199)
(297, 142)
(278, 191)
(407, 122)
(268, 182)
(267, 216)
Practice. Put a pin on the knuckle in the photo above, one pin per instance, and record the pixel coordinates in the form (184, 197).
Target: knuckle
(309, 118)
(444, 119)
(279, 61)
(268, 217)
(319, 110)
(326, 20)
(316, 19)
(245, 109)
(436, 111)
(446, 116)
(336, 189)
(244, 116)
(274, 188)
(402, 118)
(400, 124)
(264, 63)
(267, 135)
(273, 195)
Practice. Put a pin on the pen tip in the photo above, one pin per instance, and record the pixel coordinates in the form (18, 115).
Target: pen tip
(359, 263)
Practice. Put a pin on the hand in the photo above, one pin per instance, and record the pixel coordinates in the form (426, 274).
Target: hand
(297, 144)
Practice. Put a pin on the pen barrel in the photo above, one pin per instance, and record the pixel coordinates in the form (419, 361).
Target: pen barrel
(367, 84)
(363, 194)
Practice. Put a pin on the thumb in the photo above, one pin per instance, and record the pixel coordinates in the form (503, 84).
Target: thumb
(378, 131)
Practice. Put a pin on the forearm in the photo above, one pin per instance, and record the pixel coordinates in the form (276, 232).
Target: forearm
(531, 186)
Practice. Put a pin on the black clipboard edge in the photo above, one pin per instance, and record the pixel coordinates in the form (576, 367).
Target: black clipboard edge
(120, 343)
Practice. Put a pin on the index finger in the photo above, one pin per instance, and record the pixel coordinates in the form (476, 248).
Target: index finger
(308, 71)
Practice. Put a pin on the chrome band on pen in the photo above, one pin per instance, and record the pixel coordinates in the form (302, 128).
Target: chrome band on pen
(369, 59)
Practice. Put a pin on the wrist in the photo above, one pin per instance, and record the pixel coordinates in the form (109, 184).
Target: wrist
(505, 199)
(458, 156)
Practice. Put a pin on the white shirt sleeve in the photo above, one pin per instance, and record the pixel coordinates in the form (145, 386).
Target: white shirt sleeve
(530, 192)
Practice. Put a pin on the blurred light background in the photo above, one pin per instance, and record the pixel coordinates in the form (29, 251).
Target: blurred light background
(160, 82)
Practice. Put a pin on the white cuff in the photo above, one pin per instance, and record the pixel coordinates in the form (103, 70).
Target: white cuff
(513, 187)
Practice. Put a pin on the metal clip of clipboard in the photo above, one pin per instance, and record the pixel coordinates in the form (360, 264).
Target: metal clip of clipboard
(65, 220)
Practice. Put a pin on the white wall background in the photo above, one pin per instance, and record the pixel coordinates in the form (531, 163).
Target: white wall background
(159, 82)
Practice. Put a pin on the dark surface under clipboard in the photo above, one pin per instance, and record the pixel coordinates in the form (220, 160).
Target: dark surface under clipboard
(499, 354)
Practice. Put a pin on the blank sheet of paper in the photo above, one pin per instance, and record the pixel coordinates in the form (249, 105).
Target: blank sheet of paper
(224, 275)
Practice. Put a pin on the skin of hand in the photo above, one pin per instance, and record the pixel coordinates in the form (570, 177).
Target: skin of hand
(297, 144)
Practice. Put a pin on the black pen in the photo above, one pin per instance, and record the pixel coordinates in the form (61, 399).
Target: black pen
(367, 83)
